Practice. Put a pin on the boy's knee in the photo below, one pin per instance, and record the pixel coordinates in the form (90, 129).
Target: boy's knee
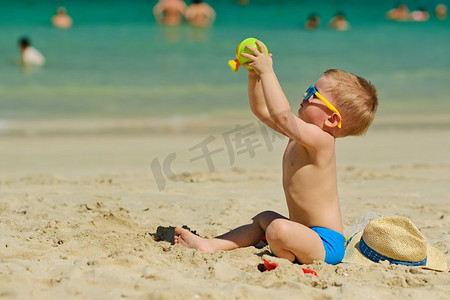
(266, 214)
(277, 231)
(265, 218)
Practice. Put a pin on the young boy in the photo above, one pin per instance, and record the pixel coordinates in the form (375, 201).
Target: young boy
(339, 104)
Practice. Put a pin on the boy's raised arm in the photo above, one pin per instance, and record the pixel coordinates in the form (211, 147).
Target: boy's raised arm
(277, 104)
(257, 101)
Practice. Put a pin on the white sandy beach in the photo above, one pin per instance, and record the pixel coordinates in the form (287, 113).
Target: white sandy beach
(81, 215)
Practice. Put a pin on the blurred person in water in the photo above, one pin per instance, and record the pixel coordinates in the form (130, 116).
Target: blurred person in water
(312, 22)
(62, 19)
(200, 14)
(441, 11)
(169, 12)
(339, 22)
(399, 13)
(420, 15)
(31, 57)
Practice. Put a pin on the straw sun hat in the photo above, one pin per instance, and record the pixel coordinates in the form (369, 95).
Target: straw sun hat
(396, 240)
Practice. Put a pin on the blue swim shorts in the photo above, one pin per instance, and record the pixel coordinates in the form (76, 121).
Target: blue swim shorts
(334, 244)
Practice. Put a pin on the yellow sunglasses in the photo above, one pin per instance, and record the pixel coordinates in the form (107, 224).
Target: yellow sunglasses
(312, 91)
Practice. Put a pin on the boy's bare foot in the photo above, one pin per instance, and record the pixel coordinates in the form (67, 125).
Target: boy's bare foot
(188, 239)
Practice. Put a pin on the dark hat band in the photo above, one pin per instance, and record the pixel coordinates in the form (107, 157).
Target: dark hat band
(376, 257)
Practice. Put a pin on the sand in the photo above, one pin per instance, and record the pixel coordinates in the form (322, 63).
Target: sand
(81, 215)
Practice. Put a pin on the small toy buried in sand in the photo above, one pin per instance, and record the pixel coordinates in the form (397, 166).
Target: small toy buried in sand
(239, 61)
(269, 266)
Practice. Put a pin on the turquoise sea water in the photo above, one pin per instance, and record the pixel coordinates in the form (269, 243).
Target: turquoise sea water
(116, 62)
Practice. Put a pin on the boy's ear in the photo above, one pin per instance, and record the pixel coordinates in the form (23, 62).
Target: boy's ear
(333, 120)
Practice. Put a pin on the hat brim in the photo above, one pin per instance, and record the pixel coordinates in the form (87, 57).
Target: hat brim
(435, 258)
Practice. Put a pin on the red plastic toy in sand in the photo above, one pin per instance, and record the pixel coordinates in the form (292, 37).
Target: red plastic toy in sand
(269, 266)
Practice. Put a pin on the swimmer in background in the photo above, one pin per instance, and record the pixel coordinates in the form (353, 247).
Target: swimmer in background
(420, 15)
(400, 13)
(339, 22)
(441, 11)
(61, 19)
(169, 12)
(31, 57)
(200, 14)
(312, 22)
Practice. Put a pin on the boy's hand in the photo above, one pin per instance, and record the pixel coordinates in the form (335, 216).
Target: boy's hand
(260, 62)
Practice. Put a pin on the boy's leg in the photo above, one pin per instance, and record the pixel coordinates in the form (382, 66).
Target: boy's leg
(246, 235)
(292, 240)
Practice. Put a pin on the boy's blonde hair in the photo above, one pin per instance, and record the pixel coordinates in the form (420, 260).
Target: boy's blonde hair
(356, 100)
